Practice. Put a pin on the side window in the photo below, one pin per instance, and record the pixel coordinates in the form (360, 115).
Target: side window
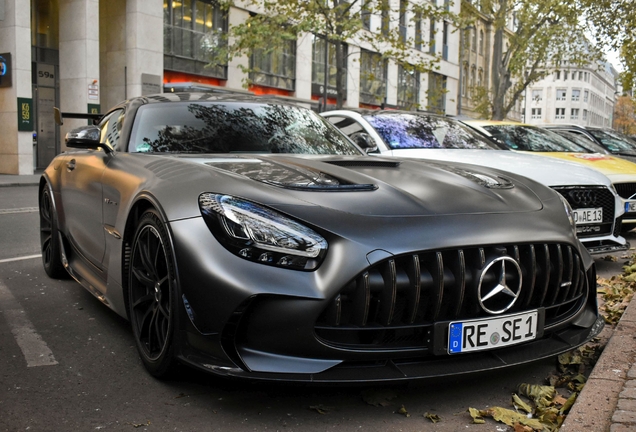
(111, 127)
(346, 125)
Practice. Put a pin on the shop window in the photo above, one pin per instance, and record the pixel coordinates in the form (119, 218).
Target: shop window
(276, 68)
(372, 78)
(408, 88)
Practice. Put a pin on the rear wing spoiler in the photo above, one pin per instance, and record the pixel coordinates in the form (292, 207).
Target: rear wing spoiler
(60, 116)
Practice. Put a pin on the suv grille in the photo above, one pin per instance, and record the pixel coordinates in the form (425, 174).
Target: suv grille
(395, 303)
(591, 197)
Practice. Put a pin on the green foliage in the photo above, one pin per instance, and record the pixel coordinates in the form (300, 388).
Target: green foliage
(614, 25)
(340, 22)
(531, 37)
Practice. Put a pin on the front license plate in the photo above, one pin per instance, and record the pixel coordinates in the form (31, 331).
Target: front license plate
(488, 333)
(588, 215)
(630, 206)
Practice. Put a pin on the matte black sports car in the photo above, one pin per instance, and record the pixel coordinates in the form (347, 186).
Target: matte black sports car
(250, 238)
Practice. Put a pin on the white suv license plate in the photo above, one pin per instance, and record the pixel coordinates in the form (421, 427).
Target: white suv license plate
(489, 333)
(588, 215)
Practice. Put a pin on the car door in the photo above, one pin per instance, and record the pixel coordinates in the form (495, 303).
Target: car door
(82, 195)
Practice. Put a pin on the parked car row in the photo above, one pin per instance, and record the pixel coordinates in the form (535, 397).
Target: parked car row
(251, 238)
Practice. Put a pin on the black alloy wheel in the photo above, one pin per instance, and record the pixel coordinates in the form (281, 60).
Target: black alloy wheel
(152, 294)
(49, 238)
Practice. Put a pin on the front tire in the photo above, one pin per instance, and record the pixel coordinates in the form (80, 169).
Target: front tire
(49, 238)
(152, 294)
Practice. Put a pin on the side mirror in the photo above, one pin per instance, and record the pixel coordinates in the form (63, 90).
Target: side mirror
(85, 137)
(365, 142)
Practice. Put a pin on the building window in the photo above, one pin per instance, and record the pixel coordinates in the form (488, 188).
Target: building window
(372, 78)
(586, 95)
(318, 67)
(418, 32)
(560, 114)
(481, 42)
(576, 95)
(386, 18)
(365, 15)
(408, 89)
(403, 27)
(557, 75)
(584, 114)
(480, 77)
(436, 92)
(565, 75)
(445, 41)
(536, 113)
(472, 80)
(192, 35)
(473, 43)
(465, 79)
(574, 114)
(580, 76)
(431, 38)
(276, 68)
(561, 94)
(537, 95)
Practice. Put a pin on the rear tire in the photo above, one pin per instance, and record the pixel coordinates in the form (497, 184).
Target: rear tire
(152, 295)
(50, 238)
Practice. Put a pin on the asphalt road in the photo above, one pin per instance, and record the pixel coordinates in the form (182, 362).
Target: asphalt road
(68, 363)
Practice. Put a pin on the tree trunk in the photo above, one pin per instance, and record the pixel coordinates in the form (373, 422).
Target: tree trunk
(500, 75)
(340, 75)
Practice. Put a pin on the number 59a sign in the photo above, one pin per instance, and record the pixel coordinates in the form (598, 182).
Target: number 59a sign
(25, 115)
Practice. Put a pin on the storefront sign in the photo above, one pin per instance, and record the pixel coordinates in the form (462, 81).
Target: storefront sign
(93, 109)
(5, 70)
(25, 115)
(319, 90)
(150, 84)
(46, 75)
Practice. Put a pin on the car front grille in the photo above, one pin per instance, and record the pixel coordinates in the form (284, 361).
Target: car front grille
(625, 190)
(591, 197)
(396, 302)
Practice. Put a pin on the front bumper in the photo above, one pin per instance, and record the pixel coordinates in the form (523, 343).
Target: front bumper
(242, 319)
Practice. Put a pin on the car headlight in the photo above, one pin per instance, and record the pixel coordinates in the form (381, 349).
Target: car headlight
(259, 234)
(569, 212)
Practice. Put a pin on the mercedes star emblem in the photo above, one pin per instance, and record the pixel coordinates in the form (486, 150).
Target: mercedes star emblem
(499, 285)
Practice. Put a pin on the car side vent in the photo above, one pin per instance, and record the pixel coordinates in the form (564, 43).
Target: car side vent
(407, 295)
(366, 163)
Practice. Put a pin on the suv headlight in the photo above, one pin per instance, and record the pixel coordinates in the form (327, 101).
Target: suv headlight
(260, 234)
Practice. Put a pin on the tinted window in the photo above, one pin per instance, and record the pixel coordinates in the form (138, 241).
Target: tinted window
(234, 127)
(111, 128)
(613, 141)
(532, 139)
(404, 131)
(582, 140)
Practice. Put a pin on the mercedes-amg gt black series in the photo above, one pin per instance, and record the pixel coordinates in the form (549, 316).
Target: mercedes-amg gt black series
(250, 238)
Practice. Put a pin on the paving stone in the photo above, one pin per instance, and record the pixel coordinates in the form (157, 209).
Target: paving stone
(628, 393)
(619, 427)
(621, 416)
(627, 404)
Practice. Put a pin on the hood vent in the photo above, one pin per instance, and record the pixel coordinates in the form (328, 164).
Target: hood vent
(365, 163)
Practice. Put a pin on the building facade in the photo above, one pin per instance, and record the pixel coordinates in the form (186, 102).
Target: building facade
(575, 95)
(88, 55)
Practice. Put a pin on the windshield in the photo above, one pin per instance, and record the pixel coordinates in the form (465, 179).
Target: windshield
(581, 140)
(409, 131)
(234, 127)
(613, 141)
(528, 138)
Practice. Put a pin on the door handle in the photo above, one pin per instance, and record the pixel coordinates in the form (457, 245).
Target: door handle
(70, 165)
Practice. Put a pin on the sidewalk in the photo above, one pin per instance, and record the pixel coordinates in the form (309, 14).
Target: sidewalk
(608, 400)
(20, 180)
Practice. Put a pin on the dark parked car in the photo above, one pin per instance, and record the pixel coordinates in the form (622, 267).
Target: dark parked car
(596, 139)
(250, 238)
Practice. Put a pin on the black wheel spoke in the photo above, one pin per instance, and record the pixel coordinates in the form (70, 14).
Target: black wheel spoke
(142, 278)
(143, 300)
(144, 254)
